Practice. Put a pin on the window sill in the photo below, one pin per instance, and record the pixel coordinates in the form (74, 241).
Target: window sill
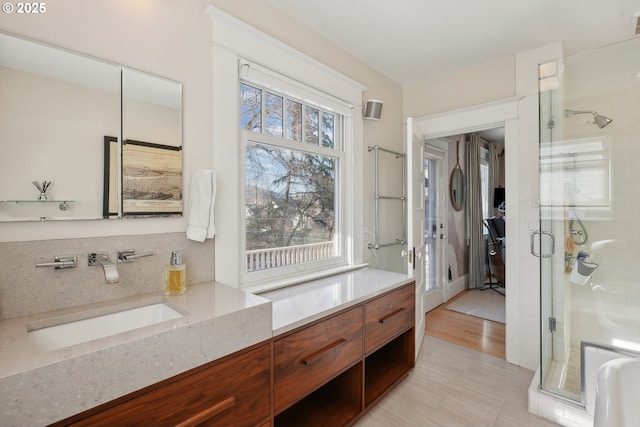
(290, 281)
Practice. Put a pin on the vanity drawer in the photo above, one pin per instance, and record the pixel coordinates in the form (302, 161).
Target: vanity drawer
(235, 392)
(388, 316)
(305, 360)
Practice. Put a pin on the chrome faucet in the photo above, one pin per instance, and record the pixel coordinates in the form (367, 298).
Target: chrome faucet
(110, 268)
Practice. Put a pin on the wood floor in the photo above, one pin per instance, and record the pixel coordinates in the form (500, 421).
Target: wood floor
(468, 331)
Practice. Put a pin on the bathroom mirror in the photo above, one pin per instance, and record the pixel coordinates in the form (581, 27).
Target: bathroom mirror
(63, 117)
(151, 145)
(457, 185)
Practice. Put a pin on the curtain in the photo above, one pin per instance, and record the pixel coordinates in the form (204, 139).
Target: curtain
(474, 215)
(494, 170)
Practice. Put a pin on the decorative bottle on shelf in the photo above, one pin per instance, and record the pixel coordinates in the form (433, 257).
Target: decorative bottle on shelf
(176, 281)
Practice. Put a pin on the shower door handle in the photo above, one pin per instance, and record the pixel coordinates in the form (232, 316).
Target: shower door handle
(553, 244)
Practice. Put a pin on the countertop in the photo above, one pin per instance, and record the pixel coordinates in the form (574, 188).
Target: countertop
(41, 387)
(295, 306)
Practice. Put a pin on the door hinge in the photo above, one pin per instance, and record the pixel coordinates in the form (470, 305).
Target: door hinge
(552, 324)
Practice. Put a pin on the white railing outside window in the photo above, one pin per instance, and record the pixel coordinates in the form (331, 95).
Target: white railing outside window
(262, 259)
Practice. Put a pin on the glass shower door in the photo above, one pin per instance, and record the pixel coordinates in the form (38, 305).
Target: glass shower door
(558, 374)
(588, 235)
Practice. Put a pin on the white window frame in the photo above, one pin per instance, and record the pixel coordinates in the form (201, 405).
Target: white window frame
(294, 270)
(270, 81)
(234, 40)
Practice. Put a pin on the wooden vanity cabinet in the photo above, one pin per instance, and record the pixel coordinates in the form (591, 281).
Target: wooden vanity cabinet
(319, 369)
(232, 392)
(389, 341)
(331, 372)
(307, 359)
(327, 373)
(387, 317)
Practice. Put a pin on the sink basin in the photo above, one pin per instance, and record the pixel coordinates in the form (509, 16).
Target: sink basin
(91, 328)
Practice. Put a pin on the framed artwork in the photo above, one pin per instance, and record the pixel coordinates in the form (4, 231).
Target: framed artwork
(151, 179)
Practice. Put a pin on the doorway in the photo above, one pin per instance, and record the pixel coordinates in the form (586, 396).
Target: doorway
(449, 225)
(502, 113)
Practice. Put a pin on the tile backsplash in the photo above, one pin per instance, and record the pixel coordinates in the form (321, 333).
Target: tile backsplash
(25, 289)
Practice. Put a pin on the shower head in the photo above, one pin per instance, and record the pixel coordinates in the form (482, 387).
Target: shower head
(598, 120)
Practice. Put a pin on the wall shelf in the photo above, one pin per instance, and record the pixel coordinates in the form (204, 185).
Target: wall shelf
(37, 201)
(63, 204)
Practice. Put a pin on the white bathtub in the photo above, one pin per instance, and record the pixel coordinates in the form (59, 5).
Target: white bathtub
(617, 394)
(618, 310)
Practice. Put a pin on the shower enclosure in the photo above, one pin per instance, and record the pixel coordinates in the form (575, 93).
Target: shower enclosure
(589, 243)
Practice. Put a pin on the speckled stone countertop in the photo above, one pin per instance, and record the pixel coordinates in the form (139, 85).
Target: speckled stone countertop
(298, 305)
(40, 387)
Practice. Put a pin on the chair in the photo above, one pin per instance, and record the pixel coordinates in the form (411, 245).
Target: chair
(495, 254)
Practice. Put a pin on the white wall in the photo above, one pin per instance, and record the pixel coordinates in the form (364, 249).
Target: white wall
(472, 86)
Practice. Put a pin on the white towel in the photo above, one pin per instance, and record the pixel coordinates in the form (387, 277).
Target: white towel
(202, 198)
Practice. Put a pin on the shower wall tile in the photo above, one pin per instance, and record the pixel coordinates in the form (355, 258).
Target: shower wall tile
(25, 289)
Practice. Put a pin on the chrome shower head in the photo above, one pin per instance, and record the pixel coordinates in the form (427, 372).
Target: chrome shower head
(598, 120)
(601, 121)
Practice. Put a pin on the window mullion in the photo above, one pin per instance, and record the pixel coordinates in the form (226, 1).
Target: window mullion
(263, 111)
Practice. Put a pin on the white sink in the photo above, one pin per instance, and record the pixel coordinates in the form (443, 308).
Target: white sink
(91, 328)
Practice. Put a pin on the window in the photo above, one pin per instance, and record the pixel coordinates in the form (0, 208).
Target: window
(576, 173)
(293, 153)
(278, 71)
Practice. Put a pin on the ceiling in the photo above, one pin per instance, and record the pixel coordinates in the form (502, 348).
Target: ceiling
(414, 40)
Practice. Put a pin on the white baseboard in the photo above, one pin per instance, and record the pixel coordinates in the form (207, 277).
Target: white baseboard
(456, 286)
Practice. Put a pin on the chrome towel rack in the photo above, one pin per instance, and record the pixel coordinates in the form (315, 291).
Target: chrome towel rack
(377, 197)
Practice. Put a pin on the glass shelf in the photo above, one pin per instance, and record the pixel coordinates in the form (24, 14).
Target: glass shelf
(37, 201)
(63, 205)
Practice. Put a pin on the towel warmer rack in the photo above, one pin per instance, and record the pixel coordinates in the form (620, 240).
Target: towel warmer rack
(377, 197)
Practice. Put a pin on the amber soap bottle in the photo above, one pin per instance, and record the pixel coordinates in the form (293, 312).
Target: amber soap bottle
(176, 281)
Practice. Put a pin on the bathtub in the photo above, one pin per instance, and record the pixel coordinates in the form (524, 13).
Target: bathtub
(618, 312)
(617, 394)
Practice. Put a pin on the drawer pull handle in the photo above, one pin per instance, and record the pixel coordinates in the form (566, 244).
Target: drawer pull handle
(207, 414)
(393, 313)
(309, 359)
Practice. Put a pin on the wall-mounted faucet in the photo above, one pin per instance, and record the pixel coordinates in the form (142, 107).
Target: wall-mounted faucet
(110, 268)
(130, 255)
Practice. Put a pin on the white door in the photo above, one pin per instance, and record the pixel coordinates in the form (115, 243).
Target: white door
(415, 223)
(435, 238)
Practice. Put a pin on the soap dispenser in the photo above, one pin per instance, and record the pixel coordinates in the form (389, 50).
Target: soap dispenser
(176, 281)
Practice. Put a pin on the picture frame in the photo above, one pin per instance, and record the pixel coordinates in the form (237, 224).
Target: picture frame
(151, 179)
(110, 181)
